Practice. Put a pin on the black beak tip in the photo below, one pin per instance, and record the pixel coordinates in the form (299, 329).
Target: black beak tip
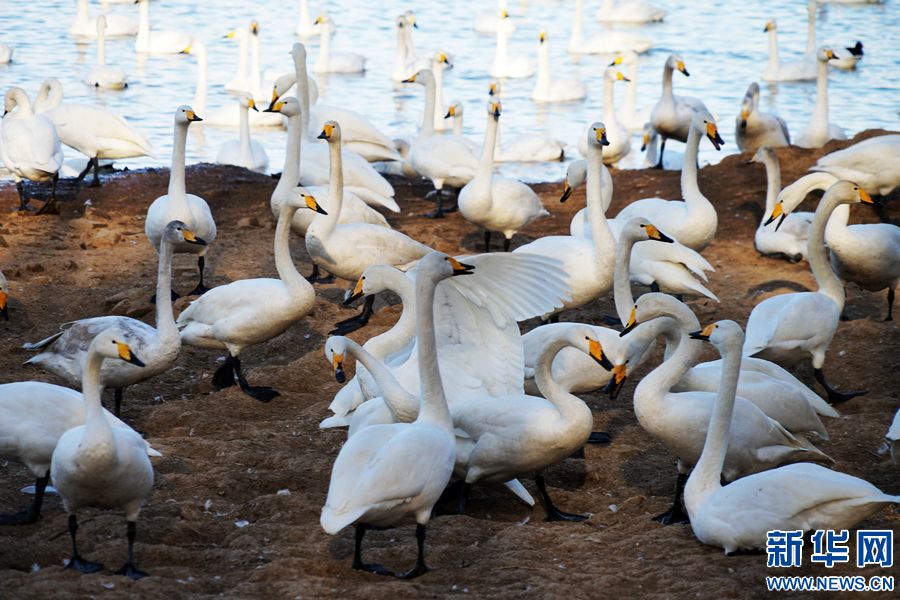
(697, 335)
(352, 298)
(664, 238)
(743, 123)
(780, 221)
(686, 74)
(320, 210)
(322, 136)
(643, 147)
(339, 375)
(565, 195)
(200, 242)
(136, 361)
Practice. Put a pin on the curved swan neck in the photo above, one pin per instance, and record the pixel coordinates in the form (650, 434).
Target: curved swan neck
(663, 377)
(667, 93)
(391, 390)
(433, 408)
(773, 183)
(569, 406)
(817, 255)
(284, 264)
(708, 470)
(622, 295)
(837, 223)
(404, 330)
(165, 317)
(176, 175)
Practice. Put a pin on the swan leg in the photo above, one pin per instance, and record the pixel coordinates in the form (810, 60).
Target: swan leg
(464, 492)
(487, 241)
(834, 396)
(76, 562)
(23, 200)
(85, 171)
(174, 295)
(553, 513)
(128, 569)
(662, 150)
(33, 512)
(358, 322)
(316, 276)
(676, 514)
(890, 303)
(746, 552)
(654, 287)
(421, 568)
(358, 563)
(118, 394)
(51, 207)
(261, 393)
(224, 375)
(96, 181)
(438, 213)
(598, 437)
(506, 243)
(200, 289)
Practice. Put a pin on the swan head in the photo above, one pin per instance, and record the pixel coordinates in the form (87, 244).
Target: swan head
(11, 99)
(438, 266)
(626, 58)
(424, 77)
(705, 123)
(770, 26)
(655, 305)
(542, 37)
(440, 61)
(648, 135)
(614, 75)
(185, 115)
(196, 48)
(849, 193)
(331, 132)
(597, 134)
(825, 54)
(289, 107)
(454, 110)
(237, 34)
(303, 200)
(617, 381)
(246, 101)
(324, 21)
(254, 28)
(677, 63)
(335, 351)
(177, 232)
(722, 334)
(494, 89)
(494, 109)
(585, 340)
(111, 343)
(410, 18)
(643, 230)
(298, 52)
(374, 280)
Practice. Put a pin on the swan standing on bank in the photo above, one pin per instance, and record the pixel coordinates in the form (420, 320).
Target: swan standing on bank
(788, 239)
(178, 205)
(29, 147)
(335, 62)
(244, 152)
(788, 327)
(159, 41)
(96, 465)
(547, 90)
(64, 353)
(739, 515)
(86, 27)
(102, 75)
(820, 129)
(754, 129)
(494, 202)
(248, 312)
(672, 115)
(386, 473)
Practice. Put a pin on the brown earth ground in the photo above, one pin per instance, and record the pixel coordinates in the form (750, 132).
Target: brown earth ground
(226, 456)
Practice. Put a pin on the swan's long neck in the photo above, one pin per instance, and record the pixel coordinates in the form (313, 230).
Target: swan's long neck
(290, 175)
(816, 253)
(601, 234)
(304, 12)
(98, 444)
(570, 407)
(667, 93)
(401, 54)
(433, 404)
(837, 224)
(500, 54)
(246, 151)
(101, 46)
(324, 47)
(202, 77)
(811, 32)
(81, 13)
(690, 189)
(243, 63)
(820, 110)
(256, 66)
(458, 124)
(575, 38)
(404, 329)
(302, 94)
(707, 474)
(543, 74)
(486, 162)
(428, 117)
(335, 190)
(438, 95)
(176, 175)
(287, 272)
(609, 101)
(773, 184)
(390, 388)
(662, 378)
(774, 58)
(621, 279)
(143, 36)
(165, 317)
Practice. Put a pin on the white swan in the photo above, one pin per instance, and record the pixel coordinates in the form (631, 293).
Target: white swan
(738, 516)
(776, 70)
(820, 129)
(335, 62)
(787, 327)
(305, 28)
(494, 202)
(531, 147)
(33, 416)
(248, 312)
(29, 146)
(517, 435)
(102, 75)
(617, 133)
(439, 64)
(455, 112)
(406, 61)
(96, 465)
(386, 473)
(178, 205)
(694, 221)
(547, 90)
(871, 163)
(86, 27)
(631, 12)
(589, 262)
(576, 175)
(159, 41)
(64, 353)
(6, 54)
(504, 65)
(866, 254)
(789, 239)
(444, 159)
(353, 209)
(754, 129)
(608, 42)
(240, 82)
(672, 115)
(634, 118)
(244, 152)
(487, 21)
(680, 420)
(845, 58)
(95, 131)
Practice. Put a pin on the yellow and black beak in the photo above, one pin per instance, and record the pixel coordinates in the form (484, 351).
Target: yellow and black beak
(682, 68)
(412, 78)
(460, 268)
(865, 198)
(127, 355)
(495, 110)
(744, 114)
(616, 61)
(631, 324)
(712, 132)
(567, 191)
(186, 50)
(601, 137)
(450, 113)
(338, 363)
(542, 37)
(645, 139)
(777, 212)
(273, 101)
(191, 238)
(356, 294)
(4, 311)
(251, 104)
(313, 205)
(327, 131)
(703, 334)
(655, 234)
(596, 352)
(621, 77)
(192, 116)
(619, 374)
